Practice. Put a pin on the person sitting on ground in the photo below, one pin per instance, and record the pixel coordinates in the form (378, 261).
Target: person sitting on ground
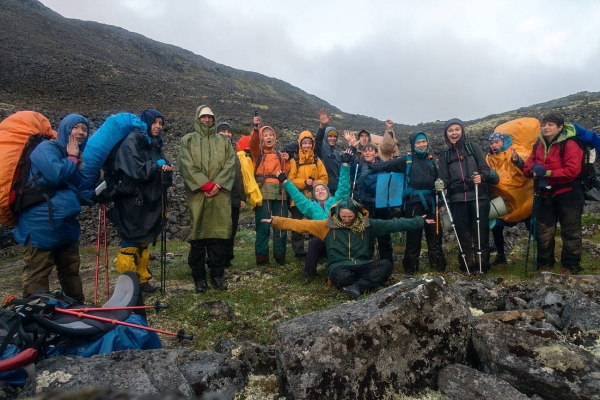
(417, 199)
(49, 230)
(326, 151)
(462, 169)
(346, 234)
(555, 163)
(207, 165)
(305, 174)
(317, 209)
(140, 166)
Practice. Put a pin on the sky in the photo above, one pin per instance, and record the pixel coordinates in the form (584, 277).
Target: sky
(409, 61)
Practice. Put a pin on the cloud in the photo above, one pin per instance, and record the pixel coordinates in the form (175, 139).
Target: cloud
(408, 61)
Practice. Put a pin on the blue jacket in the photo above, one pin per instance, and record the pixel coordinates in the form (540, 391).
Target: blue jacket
(50, 159)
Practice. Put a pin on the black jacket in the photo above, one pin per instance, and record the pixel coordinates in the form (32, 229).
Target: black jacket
(137, 178)
(237, 191)
(456, 167)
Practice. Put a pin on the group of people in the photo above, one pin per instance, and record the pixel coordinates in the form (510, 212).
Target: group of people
(330, 195)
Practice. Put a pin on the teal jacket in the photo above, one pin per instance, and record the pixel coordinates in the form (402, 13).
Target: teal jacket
(311, 208)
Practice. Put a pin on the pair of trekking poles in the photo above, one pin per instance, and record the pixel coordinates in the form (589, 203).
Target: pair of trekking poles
(102, 232)
(462, 253)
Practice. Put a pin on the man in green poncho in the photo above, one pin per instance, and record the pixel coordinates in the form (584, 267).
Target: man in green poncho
(207, 165)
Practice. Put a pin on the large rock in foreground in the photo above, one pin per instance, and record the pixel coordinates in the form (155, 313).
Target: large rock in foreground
(551, 368)
(394, 341)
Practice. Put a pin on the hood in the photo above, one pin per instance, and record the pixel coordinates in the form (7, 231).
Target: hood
(306, 157)
(507, 143)
(149, 115)
(202, 129)
(329, 129)
(334, 209)
(320, 184)
(243, 143)
(66, 126)
(305, 135)
(412, 139)
(364, 131)
(260, 134)
(462, 139)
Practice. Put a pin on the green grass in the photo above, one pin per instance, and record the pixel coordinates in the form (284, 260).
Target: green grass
(259, 298)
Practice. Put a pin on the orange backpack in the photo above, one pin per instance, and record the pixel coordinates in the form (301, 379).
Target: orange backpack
(18, 131)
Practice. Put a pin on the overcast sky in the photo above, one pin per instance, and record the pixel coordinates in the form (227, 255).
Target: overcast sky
(410, 61)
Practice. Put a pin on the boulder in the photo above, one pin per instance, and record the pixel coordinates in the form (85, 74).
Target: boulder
(460, 382)
(533, 364)
(394, 341)
(486, 296)
(184, 372)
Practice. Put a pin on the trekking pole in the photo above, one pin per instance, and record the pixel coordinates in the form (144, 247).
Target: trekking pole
(462, 253)
(478, 226)
(103, 207)
(437, 216)
(157, 307)
(532, 223)
(97, 256)
(180, 334)
(354, 181)
(163, 236)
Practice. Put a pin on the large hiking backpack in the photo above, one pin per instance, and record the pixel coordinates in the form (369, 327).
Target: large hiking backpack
(20, 134)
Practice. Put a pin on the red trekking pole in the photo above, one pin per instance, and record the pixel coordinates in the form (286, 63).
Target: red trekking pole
(180, 335)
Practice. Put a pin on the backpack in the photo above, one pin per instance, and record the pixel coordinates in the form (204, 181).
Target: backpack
(20, 134)
(408, 191)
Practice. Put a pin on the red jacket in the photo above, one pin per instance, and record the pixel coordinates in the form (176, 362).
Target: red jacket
(558, 172)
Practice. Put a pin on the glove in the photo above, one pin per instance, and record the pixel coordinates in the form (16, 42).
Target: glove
(362, 176)
(439, 185)
(346, 158)
(282, 177)
(161, 162)
(538, 170)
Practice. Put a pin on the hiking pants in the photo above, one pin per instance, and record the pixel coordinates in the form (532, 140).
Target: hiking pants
(384, 242)
(316, 250)
(297, 238)
(197, 258)
(413, 242)
(369, 276)
(135, 259)
(566, 209)
(38, 266)
(464, 215)
(263, 231)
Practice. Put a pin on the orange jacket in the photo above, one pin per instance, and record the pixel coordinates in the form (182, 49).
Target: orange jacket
(308, 166)
(266, 164)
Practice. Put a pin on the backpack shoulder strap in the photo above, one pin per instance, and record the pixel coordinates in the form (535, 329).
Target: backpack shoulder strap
(407, 171)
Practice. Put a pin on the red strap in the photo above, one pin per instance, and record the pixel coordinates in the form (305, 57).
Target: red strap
(25, 357)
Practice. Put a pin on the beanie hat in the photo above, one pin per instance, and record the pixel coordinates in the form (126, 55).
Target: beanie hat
(149, 115)
(365, 131)
(224, 125)
(420, 136)
(320, 184)
(243, 143)
(332, 132)
(307, 139)
(496, 136)
(206, 111)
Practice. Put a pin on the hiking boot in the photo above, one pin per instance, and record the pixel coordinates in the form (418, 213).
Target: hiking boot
(571, 270)
(281, 261)
(499, 260)
(352, 291)
(262, 260)
(147, 288)
(201, 286)
(219, 283)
